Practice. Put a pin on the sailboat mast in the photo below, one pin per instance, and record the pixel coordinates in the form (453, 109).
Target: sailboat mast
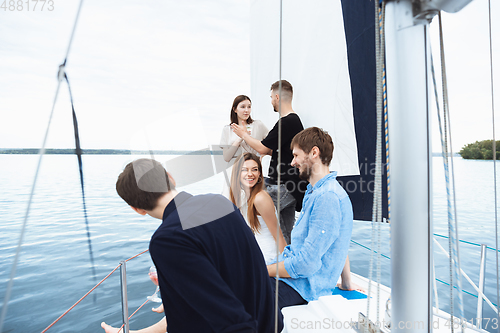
(410, 144)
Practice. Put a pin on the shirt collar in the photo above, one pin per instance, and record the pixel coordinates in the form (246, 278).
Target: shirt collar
(331, 175)
(174, 203)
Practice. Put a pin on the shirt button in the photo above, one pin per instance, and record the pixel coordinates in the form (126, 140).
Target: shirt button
(322, 231)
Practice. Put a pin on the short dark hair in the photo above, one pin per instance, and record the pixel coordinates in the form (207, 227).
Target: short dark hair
(142, 182)
(286, 88)
(236, 102)
(315, 137)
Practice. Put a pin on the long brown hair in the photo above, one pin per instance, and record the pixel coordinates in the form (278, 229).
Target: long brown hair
(233, 116)
(235, 189)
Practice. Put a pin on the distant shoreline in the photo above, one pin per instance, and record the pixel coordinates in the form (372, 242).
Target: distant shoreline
(53, 151)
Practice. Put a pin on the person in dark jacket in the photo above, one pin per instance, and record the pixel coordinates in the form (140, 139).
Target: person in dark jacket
(211, 272)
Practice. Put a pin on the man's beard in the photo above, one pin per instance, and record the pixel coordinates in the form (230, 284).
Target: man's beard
(306, 174)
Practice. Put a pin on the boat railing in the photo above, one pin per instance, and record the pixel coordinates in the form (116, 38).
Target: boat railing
(480, 290)
(123, 281)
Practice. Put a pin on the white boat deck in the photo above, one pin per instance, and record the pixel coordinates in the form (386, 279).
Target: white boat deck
(338, 314)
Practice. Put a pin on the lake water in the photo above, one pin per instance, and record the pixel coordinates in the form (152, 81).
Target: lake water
(54, 268)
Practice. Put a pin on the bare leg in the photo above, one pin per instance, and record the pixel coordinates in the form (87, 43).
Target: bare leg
(345, 276)
(159, 327)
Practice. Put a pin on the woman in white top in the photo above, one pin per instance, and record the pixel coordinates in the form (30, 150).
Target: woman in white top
(247, 193)
(231, 144)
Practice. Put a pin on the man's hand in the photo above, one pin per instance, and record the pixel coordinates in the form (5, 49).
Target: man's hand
(239, 130)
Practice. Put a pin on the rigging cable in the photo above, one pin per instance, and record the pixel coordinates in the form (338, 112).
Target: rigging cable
(447, 179)
(278, 169)
(377, 195)
(453, 227)
(41, 153)
(494, 156)
(380, 104)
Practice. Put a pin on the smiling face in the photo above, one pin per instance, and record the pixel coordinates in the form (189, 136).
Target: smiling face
(243, 110)
(250, 174)
(302, 161)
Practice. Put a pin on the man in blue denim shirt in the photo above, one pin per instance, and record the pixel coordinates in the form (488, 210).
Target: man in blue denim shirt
(310, 266)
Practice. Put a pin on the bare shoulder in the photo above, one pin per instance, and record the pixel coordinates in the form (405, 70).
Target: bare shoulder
(264, 205)
(263, 198)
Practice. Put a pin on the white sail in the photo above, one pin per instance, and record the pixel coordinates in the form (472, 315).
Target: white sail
(314, 61)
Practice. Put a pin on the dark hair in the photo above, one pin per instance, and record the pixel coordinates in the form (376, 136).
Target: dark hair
(235, 188)
(315, 137)
(233, 116)
(286, 89)
(142, 182)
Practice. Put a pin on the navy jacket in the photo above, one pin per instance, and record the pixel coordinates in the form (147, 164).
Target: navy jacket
(211, 272)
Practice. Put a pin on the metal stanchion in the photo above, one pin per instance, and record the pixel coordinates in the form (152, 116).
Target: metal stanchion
(123, 282)
(482, 267)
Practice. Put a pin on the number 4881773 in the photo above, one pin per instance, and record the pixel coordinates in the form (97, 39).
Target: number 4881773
(27, 5)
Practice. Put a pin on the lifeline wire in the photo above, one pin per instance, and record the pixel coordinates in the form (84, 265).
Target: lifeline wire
(91, 290)
(41, 153)
(494, 156)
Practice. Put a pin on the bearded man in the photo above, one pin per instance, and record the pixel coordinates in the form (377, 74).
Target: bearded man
(310, 266)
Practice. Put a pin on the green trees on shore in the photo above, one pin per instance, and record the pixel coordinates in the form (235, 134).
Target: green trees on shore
(480, 150)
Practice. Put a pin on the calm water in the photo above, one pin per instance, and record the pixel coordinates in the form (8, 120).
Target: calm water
(54, 268)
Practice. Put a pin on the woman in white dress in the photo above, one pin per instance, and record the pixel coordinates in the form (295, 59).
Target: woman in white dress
(247, 193)
(232, 145)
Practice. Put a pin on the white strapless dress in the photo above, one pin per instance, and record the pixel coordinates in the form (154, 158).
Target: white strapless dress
(264, 237)
(266, 241)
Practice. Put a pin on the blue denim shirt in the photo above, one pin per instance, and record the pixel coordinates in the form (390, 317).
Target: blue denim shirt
(320, 240)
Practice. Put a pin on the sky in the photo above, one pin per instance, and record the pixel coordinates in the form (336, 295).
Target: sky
(173, 68)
